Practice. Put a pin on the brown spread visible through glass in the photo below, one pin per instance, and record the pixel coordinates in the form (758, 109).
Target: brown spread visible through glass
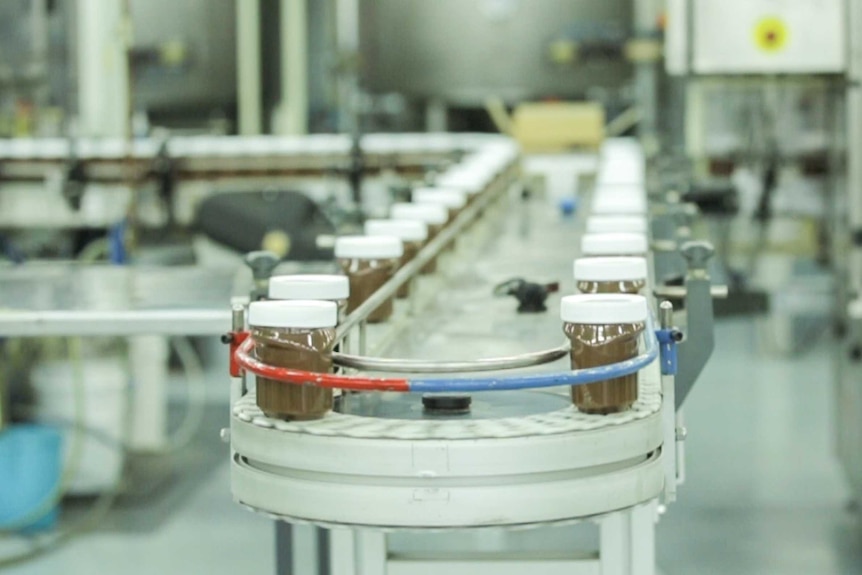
(411, 248)
(623, 286)
(304, 349)
(366, 277)
(433, 230)
(597, 345)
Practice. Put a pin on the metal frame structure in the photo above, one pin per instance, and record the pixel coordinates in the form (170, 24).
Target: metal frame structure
(424, 475)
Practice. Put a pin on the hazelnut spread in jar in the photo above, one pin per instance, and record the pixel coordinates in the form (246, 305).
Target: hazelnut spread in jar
(612, 201)
(616, 224)
(368, 262)
(452, 199)
(626, 275)
(433, 215)
(604, 329)
(594, 245)
(412, 233)
(325, 287)
(295, 334)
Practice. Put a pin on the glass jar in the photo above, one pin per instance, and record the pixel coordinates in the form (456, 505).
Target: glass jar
(604, 329)
(323, 287)
(595, 245)
(452, 199)
(295, 334)
(619, 200)
(368, 262)
(412, 233)
(626, 275)
(434, 216)
(616, 224)
(463, 178)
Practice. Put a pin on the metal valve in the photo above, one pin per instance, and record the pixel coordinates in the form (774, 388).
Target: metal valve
(697, 254)
(262, 264)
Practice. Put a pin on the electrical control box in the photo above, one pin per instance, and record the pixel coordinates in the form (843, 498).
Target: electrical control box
(757, 36)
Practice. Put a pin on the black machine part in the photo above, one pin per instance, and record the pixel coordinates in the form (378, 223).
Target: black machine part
(531, 296)
(244, 220)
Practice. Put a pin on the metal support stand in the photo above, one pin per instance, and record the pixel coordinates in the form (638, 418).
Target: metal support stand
(628, 541)
(699, 341)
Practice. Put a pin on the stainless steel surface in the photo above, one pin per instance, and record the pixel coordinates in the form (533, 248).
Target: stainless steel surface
(404, 365)
(486, 405)
(464, 52)
(678, 292)
(430, 251)
(201, 36)
(696, 349)
(69, 299)
(665, 312)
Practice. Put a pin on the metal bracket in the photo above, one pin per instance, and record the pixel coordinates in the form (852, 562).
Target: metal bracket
(262, 264)
(696, 349)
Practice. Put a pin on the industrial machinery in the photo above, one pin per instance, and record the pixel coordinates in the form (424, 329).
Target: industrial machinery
(394, 481)
(796, 66)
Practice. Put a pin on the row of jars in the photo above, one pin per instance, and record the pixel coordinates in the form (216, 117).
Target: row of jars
(605, 320)
(295, 327)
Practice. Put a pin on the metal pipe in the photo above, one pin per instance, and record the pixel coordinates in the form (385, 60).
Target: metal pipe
(431, 250)
(453, 384)
(391, 365)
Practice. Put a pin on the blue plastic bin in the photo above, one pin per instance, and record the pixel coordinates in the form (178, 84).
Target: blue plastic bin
(31, 461)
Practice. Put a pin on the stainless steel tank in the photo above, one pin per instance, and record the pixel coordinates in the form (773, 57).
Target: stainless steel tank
(462, 51)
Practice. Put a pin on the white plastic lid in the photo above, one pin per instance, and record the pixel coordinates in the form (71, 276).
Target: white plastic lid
(613, 244)
(293, 314)
(368, 247)
(428, 213)
(599, 309)
(616, 224)
(407, 230)
(470, 181)
(610, 269)
(309, 287)
(609, 203)
(449, 197)
(621, 175)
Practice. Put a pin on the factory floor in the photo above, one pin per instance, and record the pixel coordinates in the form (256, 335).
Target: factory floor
(764, 493)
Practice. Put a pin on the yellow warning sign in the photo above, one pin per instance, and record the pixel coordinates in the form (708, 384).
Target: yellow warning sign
(771, 34)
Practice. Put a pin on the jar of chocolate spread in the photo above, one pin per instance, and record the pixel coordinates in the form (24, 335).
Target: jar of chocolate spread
(412, 233)
(614, 201)
(296, 334)
(433, 215)
(604, 329)
(453, 199)
(368, 262)
(620, 244)
(616, 224)
(626, 275)
(325, 287)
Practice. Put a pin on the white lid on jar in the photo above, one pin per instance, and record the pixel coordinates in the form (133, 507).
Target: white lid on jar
(610, 269)
(329, 287)
(619, 244)
(603, 309)
(449, 197)
(618, 202)
(428, 213)
(471, 181)
(621, 175)
(298, 314)
(407, 230)
(616, 224)
(368, 247)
